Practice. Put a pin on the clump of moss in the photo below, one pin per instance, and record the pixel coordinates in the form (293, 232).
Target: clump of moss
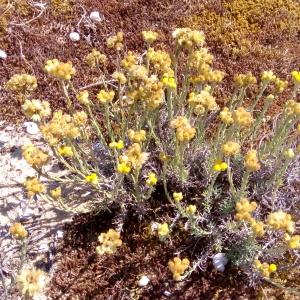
(243, 26)
(62, 7)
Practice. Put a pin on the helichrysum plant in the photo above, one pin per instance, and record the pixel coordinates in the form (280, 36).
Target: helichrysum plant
(156, 119)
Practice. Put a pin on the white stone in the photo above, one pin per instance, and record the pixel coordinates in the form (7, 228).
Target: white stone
(44, 247)
(26, 213)
(219, 261)
(167, 293)
(74, 36)
(3, 54)
(59, 234)
(144, 280)
(96, 16)
(31, 128)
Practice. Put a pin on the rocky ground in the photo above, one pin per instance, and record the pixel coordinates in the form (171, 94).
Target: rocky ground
(42, 221)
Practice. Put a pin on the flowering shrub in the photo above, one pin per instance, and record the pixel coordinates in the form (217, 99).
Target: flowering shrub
(155, 123)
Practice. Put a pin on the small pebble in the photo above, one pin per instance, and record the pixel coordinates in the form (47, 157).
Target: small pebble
(25, 214)
(31, 128)
(143, 281)
(3, 55)
(59, 234)
(74, 36)
(96, 17)
(9, 128)
(44, 247)
(168, 294)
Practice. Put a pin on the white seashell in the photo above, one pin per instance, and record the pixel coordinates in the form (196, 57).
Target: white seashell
(74, 36)
(96, 16)
(3, 54)
(219, 261)
(31, 128)
(143, 281)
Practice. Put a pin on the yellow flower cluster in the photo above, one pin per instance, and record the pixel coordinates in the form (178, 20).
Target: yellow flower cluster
(292, 107)
(188, 38)
(268, 76)
(200, 68)
(231, 148)
(242, 117)
(163, 230)
(34, 156)
(123, 167)
(191, 209)
(178, 266)
(244, 80)
(137, 136)
(293, 241)
(296, 77)
(92, 178)
(280, 85)
(281, 220)
(31, 282)
(36, 109)
(80, 118)
(120, 77)
(264, 268)
(33, 186)
(257, 227)
(152, 92)
(149, 36)
(22, 83)
(203, 101)
(60, 70)
(220, 166)
(161, 60)
(177, 196)
(109, 241)
(138, 73)
(83, 97)
(105, 97)
(134, 156)
(18, 231)
(184, 131)
(226, 116)
(61, 126)
(151, 179)
(244, 209)
(55, 193)
(119, 145)
(251, 161)
(129, 60)
(169, 80)
(95, 59)
(65, 151)
(115, 41)
(289, 153)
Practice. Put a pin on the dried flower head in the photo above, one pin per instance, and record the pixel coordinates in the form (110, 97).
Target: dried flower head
(36, 109)
(22, 83)
(33, 186)
(109, 241)
(18, 231)
(60, 70)
(31, 282)
(178, 266)
(34, 156)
